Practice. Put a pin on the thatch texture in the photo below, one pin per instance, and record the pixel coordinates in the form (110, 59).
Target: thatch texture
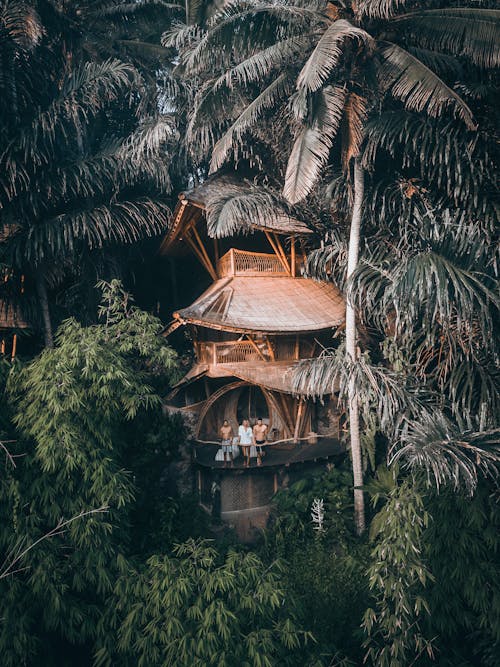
(262, 304)
(230, 206)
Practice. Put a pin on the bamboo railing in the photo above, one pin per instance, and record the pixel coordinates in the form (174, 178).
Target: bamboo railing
(242, 351)
(241, 263)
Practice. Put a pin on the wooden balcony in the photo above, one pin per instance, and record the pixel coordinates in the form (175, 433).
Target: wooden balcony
(241, 263)
(255, 351)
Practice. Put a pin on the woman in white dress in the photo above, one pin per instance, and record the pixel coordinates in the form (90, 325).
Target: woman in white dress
(245, 434)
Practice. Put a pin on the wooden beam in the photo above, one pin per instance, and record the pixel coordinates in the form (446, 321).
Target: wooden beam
(172, 327)
(270, 349)
(282, 252)
(200, 256)
(277, 252)
(300, 409)
(203, 249)
(256, 347)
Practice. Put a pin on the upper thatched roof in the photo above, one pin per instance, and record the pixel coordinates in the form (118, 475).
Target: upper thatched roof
(277, 304)
(231, 205)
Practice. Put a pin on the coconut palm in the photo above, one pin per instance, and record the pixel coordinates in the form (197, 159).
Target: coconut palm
(320, 69)
(77, 170)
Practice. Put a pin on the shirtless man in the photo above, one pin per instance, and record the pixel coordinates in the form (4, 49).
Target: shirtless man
(259, 436)
(246, 440)
(226, 434)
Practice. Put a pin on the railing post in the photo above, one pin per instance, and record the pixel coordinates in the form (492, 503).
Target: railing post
(214, 353)
(233, 272)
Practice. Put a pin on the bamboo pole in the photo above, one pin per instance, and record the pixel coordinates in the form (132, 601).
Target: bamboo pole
(256, 347)
(300, 407)
(203, 249)
(277, 253)
(14, 346)
(282, 252)
(292, 256)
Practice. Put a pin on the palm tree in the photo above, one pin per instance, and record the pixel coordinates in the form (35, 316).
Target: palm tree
(77, 169)
(320, 69)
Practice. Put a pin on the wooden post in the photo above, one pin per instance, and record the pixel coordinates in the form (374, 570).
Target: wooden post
(2, 346)
(282, 253)
(270, 349)
(277, 253)
(297, 347)
(292, 256)
(275, 483)
(297, 422)
(14, 346)
(233, 268)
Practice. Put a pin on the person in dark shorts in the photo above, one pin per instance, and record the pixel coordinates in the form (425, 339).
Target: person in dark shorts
(259, 436)
(226, 434)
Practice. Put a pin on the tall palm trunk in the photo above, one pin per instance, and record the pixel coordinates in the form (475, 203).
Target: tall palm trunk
(41, 288)
(350, 329)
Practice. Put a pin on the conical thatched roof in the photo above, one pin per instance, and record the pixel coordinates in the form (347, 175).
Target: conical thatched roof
(224, 196)
(261, 304)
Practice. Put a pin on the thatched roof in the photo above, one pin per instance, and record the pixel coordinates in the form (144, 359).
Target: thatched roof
(220, 195)
(262, 304)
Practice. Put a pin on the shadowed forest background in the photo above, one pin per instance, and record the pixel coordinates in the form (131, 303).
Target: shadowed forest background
(375, 123)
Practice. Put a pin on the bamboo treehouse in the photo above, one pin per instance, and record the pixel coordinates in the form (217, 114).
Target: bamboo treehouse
(257, 319)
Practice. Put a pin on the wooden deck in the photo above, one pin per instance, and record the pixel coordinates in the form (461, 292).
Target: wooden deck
(275, 456)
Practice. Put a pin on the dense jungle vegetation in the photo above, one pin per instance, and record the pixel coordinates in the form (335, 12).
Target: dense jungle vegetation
(374, 121)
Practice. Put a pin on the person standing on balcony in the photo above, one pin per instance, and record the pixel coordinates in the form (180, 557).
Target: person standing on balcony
(246, 439)
(226, 434)
(259, 435)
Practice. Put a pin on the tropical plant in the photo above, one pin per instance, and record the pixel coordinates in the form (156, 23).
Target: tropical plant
(317, 71)
(69, 411)
(196, 609)
(79, 171)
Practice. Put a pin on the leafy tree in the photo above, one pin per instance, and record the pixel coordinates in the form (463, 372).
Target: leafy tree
(197, 609)
(398, 574)
(71, 408)
(83, 161)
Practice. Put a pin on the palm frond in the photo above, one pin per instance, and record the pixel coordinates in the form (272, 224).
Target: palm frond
(446, 453)
(379, 9)
(20, 23)
(417, 86)
(243, 28)
(120, 222)
(234, 209)
(353, 125)
(383, 391)
(328, 52)
(312, 145)
(474, 33)
(265, 100)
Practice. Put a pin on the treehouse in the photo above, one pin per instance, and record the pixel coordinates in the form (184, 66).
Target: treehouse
(255, 320)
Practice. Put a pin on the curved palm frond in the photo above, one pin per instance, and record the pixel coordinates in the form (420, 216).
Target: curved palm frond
(379, 9)
(260, 64)
(243, 28)
(461, 167)
(20, 23)
(84, 93)
(328, 52)
(120, 222)
(474, 33)
(235, 209)
(447, 453)
(312, 145)
(417, 86)
(265, 100)
(378, 388)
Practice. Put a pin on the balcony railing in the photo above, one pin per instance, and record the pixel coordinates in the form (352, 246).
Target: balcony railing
(243, 351)
(241, 263)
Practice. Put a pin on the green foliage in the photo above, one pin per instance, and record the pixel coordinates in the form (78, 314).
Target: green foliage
(71, 407)
(197, 609)
(325, 570)
(462, 546)
(398, 573)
